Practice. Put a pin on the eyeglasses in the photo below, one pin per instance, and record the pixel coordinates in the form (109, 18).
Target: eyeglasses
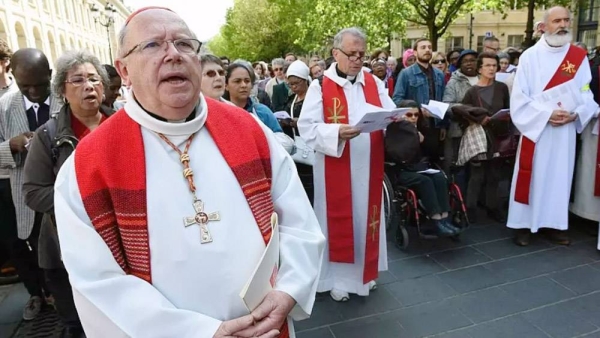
(186, 46)
(411, 115)
(80, 80)
(354, 58)
(277, 69)
(437, 62)
(213, 73)
(295, 83)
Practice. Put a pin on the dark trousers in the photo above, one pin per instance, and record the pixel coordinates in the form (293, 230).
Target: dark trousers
(58, 283)
(25, 258)
(8, 221)
(432, 190)
(486, 176)
(305, 172)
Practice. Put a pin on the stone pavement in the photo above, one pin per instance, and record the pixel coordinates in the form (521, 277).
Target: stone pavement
(483, 286)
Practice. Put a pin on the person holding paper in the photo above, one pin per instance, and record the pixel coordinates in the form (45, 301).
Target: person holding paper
(348, 169)
(405, 146)
(166, 254)
(551, 101)
(488, 170)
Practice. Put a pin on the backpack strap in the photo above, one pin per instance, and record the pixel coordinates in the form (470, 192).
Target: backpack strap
(50, 131)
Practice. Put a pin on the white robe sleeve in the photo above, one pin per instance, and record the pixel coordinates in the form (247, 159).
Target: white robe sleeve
(301, 240)
(320, 136)
(109, 302)
(589, 108)
(529, 116)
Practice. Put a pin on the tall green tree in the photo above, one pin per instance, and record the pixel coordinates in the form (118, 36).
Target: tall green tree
(380, 19)
(257, 30)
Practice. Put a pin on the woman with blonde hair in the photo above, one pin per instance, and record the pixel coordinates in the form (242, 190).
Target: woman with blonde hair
(438, 60)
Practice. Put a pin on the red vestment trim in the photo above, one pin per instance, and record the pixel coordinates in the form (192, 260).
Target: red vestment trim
(338, 183)
(116, 201)
(566, 71)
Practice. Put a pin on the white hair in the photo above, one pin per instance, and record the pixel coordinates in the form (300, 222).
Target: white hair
(392, 59)
(354, 31)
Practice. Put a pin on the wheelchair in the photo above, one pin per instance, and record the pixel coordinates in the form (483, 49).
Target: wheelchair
(403, 210)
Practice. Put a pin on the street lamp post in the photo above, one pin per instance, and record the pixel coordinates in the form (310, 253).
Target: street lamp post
(105, 19)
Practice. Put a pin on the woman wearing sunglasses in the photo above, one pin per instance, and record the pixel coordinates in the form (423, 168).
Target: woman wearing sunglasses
(438, 60)
(213, 77)
(406, 146)
(80, 80)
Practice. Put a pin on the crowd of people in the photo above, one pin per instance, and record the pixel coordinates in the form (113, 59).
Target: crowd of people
(91, 157)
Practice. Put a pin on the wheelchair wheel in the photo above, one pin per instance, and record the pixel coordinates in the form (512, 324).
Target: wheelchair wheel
(401, 237)
(388, 202)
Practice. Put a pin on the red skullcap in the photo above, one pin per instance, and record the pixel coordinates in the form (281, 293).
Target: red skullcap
(143, 9)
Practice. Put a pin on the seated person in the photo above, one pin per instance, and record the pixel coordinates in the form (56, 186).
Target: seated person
(403, 142)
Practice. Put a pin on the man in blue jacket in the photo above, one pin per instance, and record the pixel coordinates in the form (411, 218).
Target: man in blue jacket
(420, 82)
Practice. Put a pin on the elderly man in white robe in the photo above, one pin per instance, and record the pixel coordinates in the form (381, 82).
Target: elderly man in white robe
(550, 102)
(154, 253)
(348, 169)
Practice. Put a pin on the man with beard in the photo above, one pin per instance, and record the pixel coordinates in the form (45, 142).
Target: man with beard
(429, 80)
(421, 82)
(548, 121)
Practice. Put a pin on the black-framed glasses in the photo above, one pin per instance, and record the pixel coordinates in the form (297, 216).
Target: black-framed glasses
(213, 73)
(80, 80)
(438, 62)
(354, 58)
(186, 46)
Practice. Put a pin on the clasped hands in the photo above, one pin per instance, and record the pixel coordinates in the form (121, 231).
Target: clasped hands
(264, 322)
(561, 117)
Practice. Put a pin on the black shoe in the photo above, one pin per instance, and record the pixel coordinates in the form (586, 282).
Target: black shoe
(559, 237)
(472, 215)
(522, 237)
(497, 215)
(72, 332)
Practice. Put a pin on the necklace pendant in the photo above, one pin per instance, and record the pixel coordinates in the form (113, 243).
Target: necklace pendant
(202, 219)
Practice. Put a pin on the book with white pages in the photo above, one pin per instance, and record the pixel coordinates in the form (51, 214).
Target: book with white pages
(263, 279)
(502, 114)
(565, 96)
(379, 118)
(502, 77)
(437, 108)
(428, 172)
(282, 115)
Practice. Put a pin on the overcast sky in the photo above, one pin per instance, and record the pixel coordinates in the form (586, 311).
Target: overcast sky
(204, 17)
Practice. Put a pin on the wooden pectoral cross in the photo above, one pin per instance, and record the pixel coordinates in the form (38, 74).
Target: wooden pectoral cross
(202, 218)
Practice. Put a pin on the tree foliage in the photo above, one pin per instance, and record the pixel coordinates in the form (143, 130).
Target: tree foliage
(380, 19)
(257, 30)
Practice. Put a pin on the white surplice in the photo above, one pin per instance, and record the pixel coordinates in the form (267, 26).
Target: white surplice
(554, 156)
(585, 204)
(194, 286)
(323, 138)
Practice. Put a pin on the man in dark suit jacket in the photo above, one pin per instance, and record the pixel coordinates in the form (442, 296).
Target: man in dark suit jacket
(21, 113)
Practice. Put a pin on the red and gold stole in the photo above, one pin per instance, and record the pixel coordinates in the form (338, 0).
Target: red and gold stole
(114, 196)
(338, 183)
(566, 71)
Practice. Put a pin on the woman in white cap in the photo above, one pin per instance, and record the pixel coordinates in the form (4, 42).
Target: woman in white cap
(298, 79)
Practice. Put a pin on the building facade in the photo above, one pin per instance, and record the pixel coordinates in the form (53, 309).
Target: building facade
(510, 30)
(56, 26)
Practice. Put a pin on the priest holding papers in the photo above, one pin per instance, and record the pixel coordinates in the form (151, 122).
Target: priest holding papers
(165, 211)
(551, 101)
(348, 169)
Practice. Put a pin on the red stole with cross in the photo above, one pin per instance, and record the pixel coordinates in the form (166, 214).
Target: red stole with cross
(115, 199)
(338, 183)
(566, 71)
